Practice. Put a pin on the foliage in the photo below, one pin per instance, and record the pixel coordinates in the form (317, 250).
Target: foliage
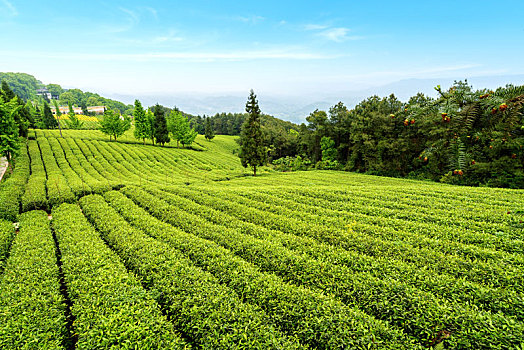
(209, 132)
(99, 283)
(73, 122)
(178, 126)
(292, 306)
(48, 119)
(252, 149)
(22, 84)
(291, 163)
(58, 189)
(30, 286)
(7, 233)
(462, 137)
(113, 124)
(160, 127)
(12, 188)
(197, 303)
(9, 144)
(376, 262)
(142, 127)
(150, 119)
(34, 196)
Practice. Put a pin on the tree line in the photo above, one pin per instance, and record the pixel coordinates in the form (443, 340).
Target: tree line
(158, 124)
(463, 136)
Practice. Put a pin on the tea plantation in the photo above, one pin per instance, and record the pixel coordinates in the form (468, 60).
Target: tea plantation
(124, 245)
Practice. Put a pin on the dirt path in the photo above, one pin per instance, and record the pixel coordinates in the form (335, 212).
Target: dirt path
(3, 167)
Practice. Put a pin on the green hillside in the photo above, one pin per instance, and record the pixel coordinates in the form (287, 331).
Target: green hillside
(165, 247)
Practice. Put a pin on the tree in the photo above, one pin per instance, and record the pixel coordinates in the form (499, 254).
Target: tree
(48, 118)
(209, 132)
(142, 126)
(9, 144)
(175, 125)
(83, 105)
(188, 137)
(54, 89)
(329, 153)
(73, 122)
(161, 133)
(252, 150)
(113, 124)
(178, 125)
(150, 117)
(22, 118)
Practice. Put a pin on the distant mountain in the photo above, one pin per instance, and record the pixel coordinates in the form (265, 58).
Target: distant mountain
(291, 108)
(297, 108)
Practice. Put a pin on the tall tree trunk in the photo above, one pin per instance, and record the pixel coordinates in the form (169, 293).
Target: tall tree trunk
(254, 170)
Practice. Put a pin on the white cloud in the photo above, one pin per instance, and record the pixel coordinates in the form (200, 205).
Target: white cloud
(11, 9)
(170, 37)
(335, 34)
(315, 27)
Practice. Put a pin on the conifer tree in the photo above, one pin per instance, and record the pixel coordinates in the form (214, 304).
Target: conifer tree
(209, 132)
(141, 131)
(252, 150)
(161, 133)
(7, 93)
(48, 118)
(22, 118)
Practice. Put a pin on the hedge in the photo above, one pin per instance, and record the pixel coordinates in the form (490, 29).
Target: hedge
(110, 307)
(32, 308)
(212, 315)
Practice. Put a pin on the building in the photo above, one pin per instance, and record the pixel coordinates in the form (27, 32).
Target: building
(78, 110)
(44, 93)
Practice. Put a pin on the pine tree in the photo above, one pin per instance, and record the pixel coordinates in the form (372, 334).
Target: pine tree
(7, 93)
(252, 151)
(48, 118)
(161, 133)
(209, 132)
(141, 125)
(22, 118)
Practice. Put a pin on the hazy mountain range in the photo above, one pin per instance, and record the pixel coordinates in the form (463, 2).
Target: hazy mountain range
(296, 108)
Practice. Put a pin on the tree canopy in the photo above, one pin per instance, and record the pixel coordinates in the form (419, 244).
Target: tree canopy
(113, 124)
(181, 131)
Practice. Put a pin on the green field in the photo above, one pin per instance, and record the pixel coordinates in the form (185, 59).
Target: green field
(125, 245)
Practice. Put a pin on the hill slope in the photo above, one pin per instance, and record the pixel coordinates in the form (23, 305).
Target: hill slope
(318, 259)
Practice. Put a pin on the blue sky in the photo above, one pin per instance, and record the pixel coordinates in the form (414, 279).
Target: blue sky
(274, 47)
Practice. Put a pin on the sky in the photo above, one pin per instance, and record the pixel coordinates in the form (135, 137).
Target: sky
(285, 48)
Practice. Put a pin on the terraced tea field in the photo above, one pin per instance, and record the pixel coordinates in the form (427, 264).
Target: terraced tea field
(127, 245)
